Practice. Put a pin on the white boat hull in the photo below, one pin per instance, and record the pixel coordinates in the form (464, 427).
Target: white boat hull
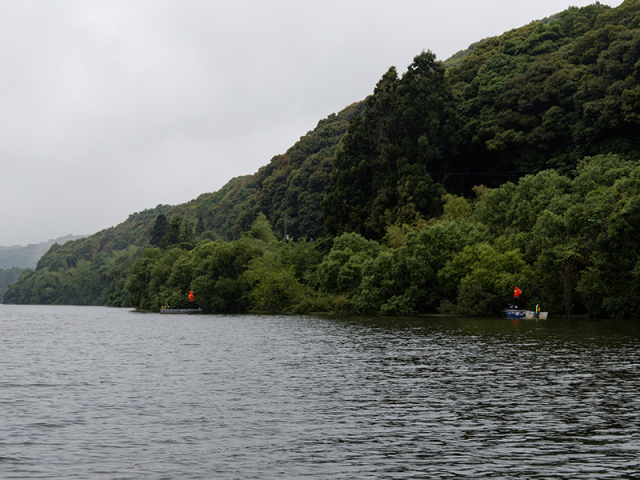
(183, 311)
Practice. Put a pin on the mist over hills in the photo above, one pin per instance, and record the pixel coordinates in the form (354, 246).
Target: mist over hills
(16, 258)
(28, 256)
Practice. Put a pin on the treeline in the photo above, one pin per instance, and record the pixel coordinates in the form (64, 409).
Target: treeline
(569, 241)
(95, 282)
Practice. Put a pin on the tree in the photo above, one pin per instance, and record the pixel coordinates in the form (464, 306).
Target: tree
(380, 176)
(483, 278)
(7, 277)
(274, 287)
(261, 230)
(179, 231)
(217, 274)
(200, 228)
(341, 270)
(405, 280)
(159, 230)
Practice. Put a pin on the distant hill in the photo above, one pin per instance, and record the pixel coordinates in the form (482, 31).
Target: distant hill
(14, 259)
(28, 256)
(7, 277)
(91, 270)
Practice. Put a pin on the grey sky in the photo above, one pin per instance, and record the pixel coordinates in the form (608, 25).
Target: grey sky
(110, 107)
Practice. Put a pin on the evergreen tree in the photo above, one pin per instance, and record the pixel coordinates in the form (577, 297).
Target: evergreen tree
(174, 231)
(200, 228)
(159, 230)
(380, 175)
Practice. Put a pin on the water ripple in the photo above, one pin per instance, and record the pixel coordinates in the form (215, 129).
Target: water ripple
(106, 393)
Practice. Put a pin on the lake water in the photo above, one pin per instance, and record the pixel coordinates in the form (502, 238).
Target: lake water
(91, 392)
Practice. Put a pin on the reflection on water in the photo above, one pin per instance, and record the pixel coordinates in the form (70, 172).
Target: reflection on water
(108, 393)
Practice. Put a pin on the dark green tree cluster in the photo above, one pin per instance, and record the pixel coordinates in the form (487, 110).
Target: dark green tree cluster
(381, 173)
(293, 185)
(93, 270)
(159, 230)
(537, 97)
(249, 274)
(571, 243)
(176, 232)
(548, 94)
(96, 282)
(86, 271)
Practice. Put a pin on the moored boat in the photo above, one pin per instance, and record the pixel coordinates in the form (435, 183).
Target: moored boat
(187, 311)
(516, 314)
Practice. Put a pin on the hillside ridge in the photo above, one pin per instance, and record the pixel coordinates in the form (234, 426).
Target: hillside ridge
(544, 117)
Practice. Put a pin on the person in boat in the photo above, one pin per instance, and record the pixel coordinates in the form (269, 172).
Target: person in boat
(191, 298)
(516, 297)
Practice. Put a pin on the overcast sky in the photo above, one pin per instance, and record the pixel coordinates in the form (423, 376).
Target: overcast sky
(111, 107)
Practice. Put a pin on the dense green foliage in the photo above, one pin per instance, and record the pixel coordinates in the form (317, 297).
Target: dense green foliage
(548, 94)
(159, 231)
(87, 271)
(571, 243)
(99, 282)
(226, 276)
(398, 205)
(537, 97)
(380, 175)
(94, 270)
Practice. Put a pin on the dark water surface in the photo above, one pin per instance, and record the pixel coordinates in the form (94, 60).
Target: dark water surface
(108, 393)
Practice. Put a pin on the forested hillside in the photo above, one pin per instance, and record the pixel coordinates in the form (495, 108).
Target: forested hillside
(291, 186)
(541, 96)
(438, 193)
(91, 271)
(14, 259)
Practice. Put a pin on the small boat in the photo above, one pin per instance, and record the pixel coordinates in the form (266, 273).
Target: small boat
(538, 316)
(516, 314)
(187, 311)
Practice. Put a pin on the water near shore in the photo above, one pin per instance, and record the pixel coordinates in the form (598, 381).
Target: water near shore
(88, 392)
